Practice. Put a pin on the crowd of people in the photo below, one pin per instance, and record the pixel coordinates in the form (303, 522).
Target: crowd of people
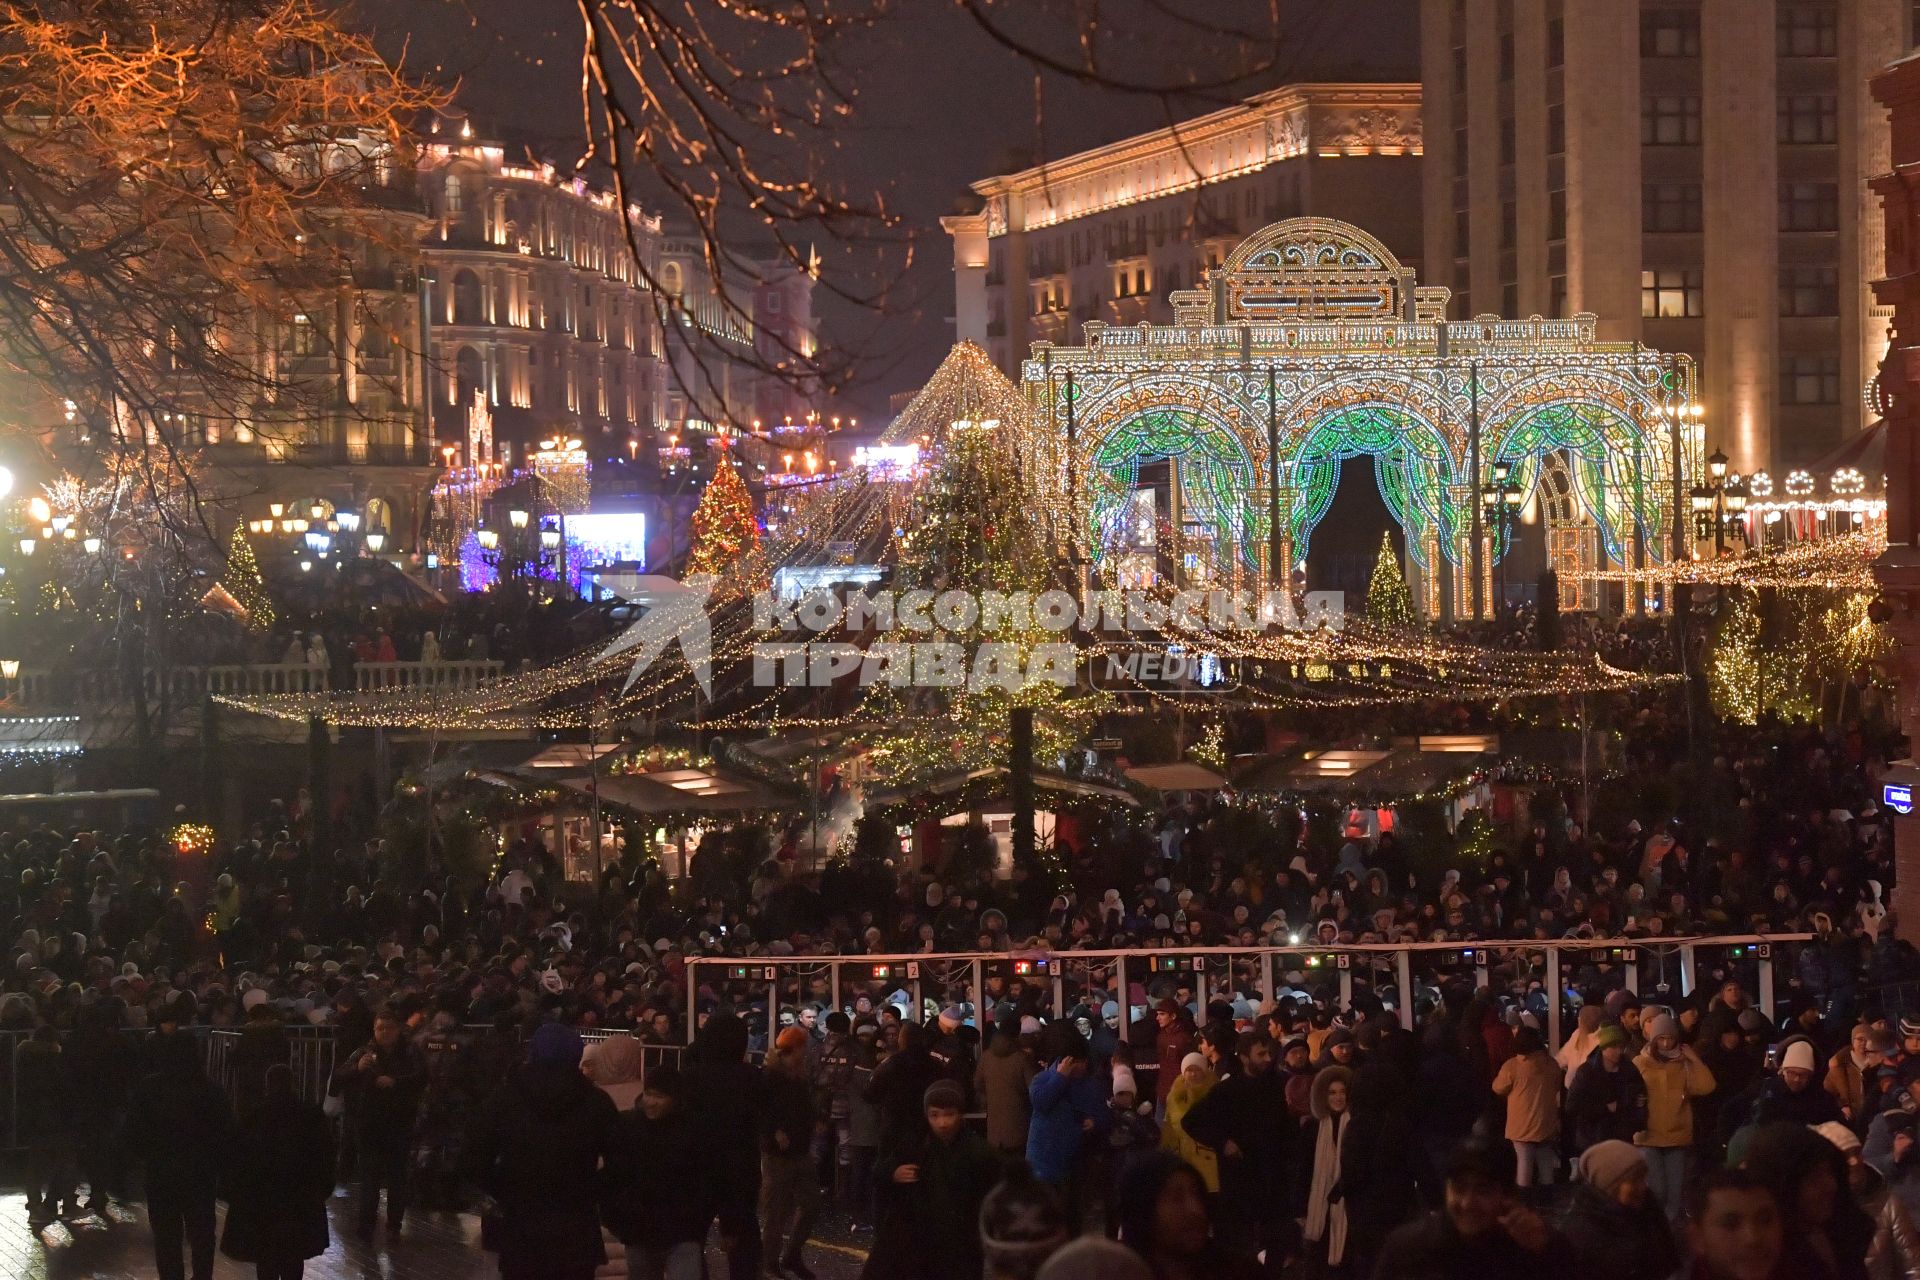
(513, 1044)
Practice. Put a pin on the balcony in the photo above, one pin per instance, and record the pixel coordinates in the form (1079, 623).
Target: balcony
(346, 453)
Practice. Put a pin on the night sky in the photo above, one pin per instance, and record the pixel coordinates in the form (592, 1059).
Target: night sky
(940, 105)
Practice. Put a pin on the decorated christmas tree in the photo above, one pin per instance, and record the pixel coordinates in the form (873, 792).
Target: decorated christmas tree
(1389, 603)
(978, 525)
(244, 583)
(725, 532)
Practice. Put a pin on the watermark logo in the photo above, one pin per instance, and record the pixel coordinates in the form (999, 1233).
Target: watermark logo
(673, 613)
(822, 636)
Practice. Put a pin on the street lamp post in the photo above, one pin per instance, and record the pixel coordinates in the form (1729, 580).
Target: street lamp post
(1718, 502)
(1501, 500)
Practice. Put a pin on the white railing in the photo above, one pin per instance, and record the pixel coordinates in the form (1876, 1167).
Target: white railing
(105, 687)
(463, 674)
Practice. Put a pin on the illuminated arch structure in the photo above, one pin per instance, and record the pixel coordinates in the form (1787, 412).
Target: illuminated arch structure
(1311, 344)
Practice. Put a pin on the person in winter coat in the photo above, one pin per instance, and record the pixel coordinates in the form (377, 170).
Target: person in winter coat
(900, 1082)
(535, 1151)
(1069, 1111)
(384, 1080)
(1608, 1098)
(44, 1095)
(1324, 1206)
(1164, 1220)
(725, 1101)
(1376, 1183)
(1895, 1251)
(279, 1179)
(1001, 1080)
(1617, 1229)
(1794, 1095)
(1581, 1044)
(1530, 1082)
(179, 1132)
(1244, 1120)
(1130, 1132)
(1176, 1039)
(1737, 1066)
(1827, 1234)
(789, 1178)
(1849, 1069)
(1482, 1233)
(101, 1063)
(1674, 1077)
(614, 1065)
(1196, 1082)
(1893, 1151)
(931, 1188)
(658, 1184)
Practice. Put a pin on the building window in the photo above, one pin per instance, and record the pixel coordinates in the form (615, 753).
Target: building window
(1670, 206)
(1670, 33)
(1809, 291)
(302, 340)
(1813, 379)
(1556, 128)
(1460, 153)
(1556, 215)
(1556, 44)
(456, 198)
(1809, 206)
(1809, 118)
(1506, 56)
(1808, 32)
(1507, 147)
(1510, 300)
(1674, 294)
(1462, 233)
(1670, 120)
(1459, 66)
(1557, 297)
(1509, 225)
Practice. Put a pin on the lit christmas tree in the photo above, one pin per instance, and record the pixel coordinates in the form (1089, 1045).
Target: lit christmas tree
(978, 525)
(244, 583)
(1389, 603)
(725, 532)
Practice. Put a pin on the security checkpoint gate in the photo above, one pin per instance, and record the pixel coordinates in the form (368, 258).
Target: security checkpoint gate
(1401, 974)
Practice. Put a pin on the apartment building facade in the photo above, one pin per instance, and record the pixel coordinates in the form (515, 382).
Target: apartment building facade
(1109, 233)
(1690, 171)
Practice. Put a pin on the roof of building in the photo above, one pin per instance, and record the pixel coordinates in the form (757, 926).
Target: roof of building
(1280, 124)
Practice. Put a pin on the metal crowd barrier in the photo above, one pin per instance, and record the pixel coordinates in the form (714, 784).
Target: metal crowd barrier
(1654, 968)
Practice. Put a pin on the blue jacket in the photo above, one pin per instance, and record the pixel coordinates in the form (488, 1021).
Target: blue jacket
(1055, 1134)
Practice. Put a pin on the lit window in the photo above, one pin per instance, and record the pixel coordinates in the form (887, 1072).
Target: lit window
(1675, 294)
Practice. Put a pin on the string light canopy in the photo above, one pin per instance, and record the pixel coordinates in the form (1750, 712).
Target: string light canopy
(989, 502)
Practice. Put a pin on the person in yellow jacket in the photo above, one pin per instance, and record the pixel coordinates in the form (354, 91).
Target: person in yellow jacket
(1674, 1077)
(1530, 1082)
(1196, 1082)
